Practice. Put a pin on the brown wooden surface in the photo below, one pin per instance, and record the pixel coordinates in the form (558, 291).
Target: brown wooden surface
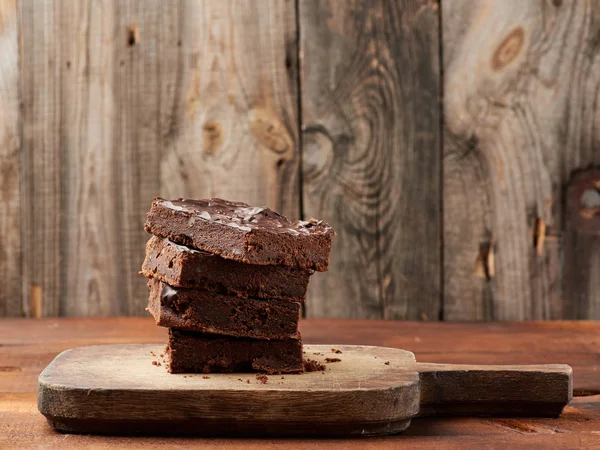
(26, 347)
(370, 138)
(488, 390)
(366, 391)
(10, 162)
(520, 103)
(369, 391)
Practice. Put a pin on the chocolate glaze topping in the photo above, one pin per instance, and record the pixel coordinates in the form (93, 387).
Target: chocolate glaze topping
(245, 217)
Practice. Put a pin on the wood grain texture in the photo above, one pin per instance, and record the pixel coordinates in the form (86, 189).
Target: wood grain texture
(91, 147)
(358, 395)
(10, 163)
(367, 391)
(371, 158)
(581, 279)
(147, 31)
(578, 426)
(520, 94)
(501, 390)
(27, 346)
(233, 131)
(41, 158)
(81, 47)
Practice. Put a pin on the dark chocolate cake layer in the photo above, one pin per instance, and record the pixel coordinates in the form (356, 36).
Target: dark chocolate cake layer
(208, 312)
(181, 266)
(252, 235)
(199, 353)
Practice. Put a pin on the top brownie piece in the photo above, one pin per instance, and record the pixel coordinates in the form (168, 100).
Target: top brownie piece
(237, 231)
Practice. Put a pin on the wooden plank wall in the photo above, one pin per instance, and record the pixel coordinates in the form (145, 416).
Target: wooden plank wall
(521, 84)
(439, 139)
(371, 154)
(127, 100)
(10, 167)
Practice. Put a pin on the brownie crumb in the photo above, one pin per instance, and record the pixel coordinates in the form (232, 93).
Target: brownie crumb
(316, 353)
(262, 378)
(387, 363)
(162, 355)
(156, 363)
(335, 350)
(205, 377)
(310, 365)
(240, 379)
(282, 377)
(248, 381)
(332, 360)
(153, 354)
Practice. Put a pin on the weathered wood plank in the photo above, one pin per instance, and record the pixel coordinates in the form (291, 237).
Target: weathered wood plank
(77, 390)
(234, 128)
(41, 156)
(83, 46)
(27, 346)
(91, 142)
(147, 33)
(371, 154)
(520, 92)
(10, 164)
(581, 280)
(577, 427)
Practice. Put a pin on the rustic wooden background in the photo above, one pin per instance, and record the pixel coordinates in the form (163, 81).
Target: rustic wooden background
(439, 139)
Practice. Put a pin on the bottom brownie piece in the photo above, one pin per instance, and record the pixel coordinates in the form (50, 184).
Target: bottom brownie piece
(203, 353)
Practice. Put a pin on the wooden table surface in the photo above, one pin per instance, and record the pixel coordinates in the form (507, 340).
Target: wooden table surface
(27, 346)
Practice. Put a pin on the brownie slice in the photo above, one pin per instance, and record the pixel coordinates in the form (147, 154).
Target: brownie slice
(201, 353)
(181, 266)
(252, 235)
(207, 312)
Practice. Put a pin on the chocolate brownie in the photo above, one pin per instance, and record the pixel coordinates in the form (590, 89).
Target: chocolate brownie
(202, 353)
(252, 235)
(181, 266)
(208, 312)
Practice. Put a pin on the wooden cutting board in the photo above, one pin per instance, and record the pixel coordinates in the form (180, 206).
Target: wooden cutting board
(119, 389)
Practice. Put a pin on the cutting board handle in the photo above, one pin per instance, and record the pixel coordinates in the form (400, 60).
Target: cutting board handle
(536, 390)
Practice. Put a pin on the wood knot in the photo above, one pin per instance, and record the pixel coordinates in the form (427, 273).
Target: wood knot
(509, 49)
(270, 132)
(133, 35)
(212, 133)
(318, 152)
(485, 266)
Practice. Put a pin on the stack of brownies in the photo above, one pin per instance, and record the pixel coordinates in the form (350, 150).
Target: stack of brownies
(227, 280)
